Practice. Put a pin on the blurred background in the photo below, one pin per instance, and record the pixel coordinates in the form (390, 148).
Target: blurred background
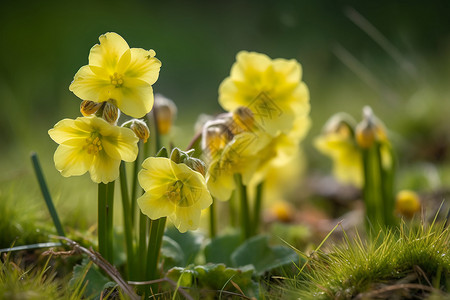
(391, 55)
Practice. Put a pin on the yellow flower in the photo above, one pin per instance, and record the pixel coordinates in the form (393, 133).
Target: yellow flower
(92, 144)
(239, 156)
(272, 89)
(339, 144)
(173, 190)
(118, 74)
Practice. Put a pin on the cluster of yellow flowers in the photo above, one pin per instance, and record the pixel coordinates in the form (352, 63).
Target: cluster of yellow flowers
(116, 77)
(120, 78)
(268, 105)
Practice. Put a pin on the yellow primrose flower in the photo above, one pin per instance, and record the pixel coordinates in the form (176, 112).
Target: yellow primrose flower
(92, 144)
(272, 89)
(118, 74)
(173, 190)
(238, 156)
(341, 147)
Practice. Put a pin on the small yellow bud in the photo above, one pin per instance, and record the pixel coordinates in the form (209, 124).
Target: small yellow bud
(407, 203)
(88, 108)
(369, 130)
(140, 129)
(110, 113)
(166, 112)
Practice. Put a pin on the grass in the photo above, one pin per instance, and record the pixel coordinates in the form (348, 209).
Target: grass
(409, 262)
(18, 282)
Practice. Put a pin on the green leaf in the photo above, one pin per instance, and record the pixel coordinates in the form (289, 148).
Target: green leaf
(219, 250)
(216, 277)
(90, 275)
(257, 252)
(189, 242)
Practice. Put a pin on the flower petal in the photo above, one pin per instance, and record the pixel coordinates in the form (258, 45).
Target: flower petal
(104, 168)
(186, 218)
(121, 145)
(143, 66)
(156, 171)
(136, 97)
(72, 161)
(155, 206)
(66, 130)
(108, 53)
(89, 86)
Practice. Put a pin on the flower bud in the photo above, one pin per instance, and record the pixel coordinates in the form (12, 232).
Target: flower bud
(184, 157)
(242, 119)
(196, 165)
(166, 112)
(88, 108)
(369, 130)
(139, 128)
(216, 135)
(110, 113)
(407, 203)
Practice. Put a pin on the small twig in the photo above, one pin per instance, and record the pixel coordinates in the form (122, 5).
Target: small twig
(102, 263)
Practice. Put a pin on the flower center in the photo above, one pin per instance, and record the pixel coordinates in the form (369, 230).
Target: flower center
(175, 194)
(116, 79)
(93, 144)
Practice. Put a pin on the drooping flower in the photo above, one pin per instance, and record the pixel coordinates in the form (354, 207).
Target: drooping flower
(90, 144)
(173, 190)
(338, 142)
(118, 74)
(271, 89)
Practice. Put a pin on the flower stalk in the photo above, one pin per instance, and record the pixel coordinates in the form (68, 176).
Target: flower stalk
(105, 220)
(244, 205)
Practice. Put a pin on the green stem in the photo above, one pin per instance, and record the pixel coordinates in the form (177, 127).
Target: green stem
(142, 245)
(102, 231)
(212, 220)
(245, 211)
(105, 220)
(127, 219)
(387, 185)
(135, 185)
(46, 194)
(257, 207)
(372, 190)
(110, 220)
(154, 247)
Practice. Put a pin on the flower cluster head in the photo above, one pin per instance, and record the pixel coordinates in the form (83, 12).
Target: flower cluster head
(118, 74)
(267, 106)
(117, 77)
(174, 189)
(90, 144)
(271, 89)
